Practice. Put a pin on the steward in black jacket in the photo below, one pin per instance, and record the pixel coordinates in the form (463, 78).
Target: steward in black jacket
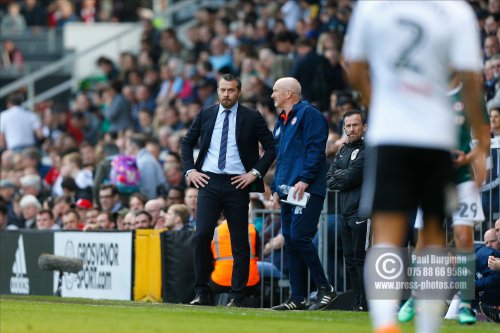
(346, 175)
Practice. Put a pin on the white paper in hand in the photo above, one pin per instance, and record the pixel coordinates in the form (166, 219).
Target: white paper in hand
(294, 201)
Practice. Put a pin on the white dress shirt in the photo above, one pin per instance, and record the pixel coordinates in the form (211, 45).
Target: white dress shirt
(233, 160)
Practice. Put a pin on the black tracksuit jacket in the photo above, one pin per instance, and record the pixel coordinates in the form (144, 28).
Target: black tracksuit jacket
(346, 175)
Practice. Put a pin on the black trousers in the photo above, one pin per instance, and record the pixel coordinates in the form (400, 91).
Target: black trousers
(353, 237)
(218, 289)
(218, 196)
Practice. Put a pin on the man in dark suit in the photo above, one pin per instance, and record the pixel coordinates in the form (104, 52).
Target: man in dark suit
(228, 167)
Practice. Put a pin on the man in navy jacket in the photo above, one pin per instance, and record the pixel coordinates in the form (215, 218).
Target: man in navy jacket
(488, 280)
(300, 135)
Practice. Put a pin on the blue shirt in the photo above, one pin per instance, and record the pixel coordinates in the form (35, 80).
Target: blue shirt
(169, 86)
(233, 160)
(151, 174)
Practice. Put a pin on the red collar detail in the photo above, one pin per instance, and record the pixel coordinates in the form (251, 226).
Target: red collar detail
(284, 116)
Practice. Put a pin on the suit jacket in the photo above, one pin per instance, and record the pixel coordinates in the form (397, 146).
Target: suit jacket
(251, 128)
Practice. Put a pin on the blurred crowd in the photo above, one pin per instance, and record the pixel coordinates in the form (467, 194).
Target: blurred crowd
(17, 17)
(31, 18)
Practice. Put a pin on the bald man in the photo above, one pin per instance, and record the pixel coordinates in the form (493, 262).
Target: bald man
(153, 207)
(494, 263)
(300, 134)
(491, 240)
(488, 281)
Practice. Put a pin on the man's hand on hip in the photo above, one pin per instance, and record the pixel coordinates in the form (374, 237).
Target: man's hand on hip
(197, 178)
(242, 181)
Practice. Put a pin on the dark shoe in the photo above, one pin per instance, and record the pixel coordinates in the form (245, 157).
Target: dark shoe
(201, 299)
(289, 305)
(492, 313)
(326, 295)
(234, 303)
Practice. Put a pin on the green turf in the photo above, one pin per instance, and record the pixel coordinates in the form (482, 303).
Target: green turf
(53, 315)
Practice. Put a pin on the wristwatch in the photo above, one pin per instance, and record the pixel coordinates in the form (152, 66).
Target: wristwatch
(256, 173)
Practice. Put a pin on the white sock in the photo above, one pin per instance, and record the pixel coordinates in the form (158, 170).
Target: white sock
(429, 317)
(383, 312)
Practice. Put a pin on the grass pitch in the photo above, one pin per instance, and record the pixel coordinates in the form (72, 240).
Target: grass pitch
(53, 315)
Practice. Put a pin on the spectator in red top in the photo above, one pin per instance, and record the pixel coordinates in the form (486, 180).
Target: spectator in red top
(88, 11)
(82, 207)
(75, 125)
(52, 175)
(12, 59)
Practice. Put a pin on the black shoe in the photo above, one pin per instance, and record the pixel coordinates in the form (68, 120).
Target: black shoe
(492, 313)
(326, 295)
(290, 304)
(234, 303)
(201, 299)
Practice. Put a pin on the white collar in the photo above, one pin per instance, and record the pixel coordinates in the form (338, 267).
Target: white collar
(234, 108)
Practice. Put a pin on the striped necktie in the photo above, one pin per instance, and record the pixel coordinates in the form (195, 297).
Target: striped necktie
(223, 141)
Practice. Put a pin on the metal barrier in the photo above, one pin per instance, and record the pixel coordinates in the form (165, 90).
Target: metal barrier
(272, 227)
(490, 191)
(274, 280)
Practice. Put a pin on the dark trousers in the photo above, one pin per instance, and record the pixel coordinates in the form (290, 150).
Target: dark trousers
(218, 196)
(218, 289)
(353, 244)
(299, 228)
